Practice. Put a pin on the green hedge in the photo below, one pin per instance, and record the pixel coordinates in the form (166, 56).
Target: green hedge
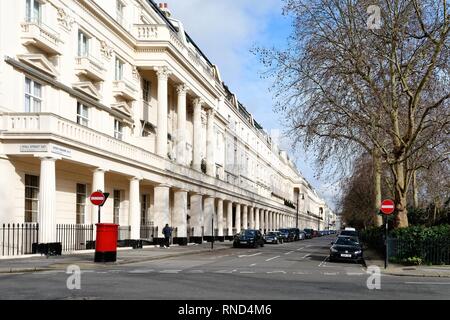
(416, 234)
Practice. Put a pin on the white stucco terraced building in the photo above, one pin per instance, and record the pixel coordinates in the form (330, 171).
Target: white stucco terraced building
(114, 95)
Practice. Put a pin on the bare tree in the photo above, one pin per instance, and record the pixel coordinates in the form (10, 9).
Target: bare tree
(342, 85)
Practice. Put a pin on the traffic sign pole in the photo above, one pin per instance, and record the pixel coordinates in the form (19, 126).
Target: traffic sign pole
(387, 244)
(387, 208)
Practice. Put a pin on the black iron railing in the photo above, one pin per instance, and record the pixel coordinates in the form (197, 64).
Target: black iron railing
(18, 239)
(75, 237)
(149, 232)
(429, 252)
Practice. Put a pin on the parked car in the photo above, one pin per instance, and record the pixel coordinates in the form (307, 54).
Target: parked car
(302, 235)
(288, 235)
(308, 233)
(350, 233)
(296, 232)
(346, 248)
(315, 233)
(248, 238)
(273, 237)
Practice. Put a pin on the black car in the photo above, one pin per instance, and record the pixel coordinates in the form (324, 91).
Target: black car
(288, 235)
(296, 233)
(309, 233)
(346, 248)
(349, 233)
(273, 237)
(248, 238)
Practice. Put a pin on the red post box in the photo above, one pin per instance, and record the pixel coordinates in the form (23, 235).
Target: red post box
(106, 242)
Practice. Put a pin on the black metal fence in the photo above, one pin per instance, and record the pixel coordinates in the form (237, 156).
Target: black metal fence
(149, 232)
(75, 237)
(429, 252)
(17, 239)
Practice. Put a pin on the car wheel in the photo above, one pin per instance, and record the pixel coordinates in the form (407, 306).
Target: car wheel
(331, 259)
(262, 245)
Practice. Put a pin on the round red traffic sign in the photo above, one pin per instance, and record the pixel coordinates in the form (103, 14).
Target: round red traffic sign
(97, 198)
(387, 207)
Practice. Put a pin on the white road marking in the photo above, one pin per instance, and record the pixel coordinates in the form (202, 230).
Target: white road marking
(272, 272)
(429, 283)
(300, 248)
(247, 272)
(170, 271)
(299, 272)
(355, 273)
(330, 273)
(320, 265)
(196, 271)
(272, 258)
(250, 255)
(141, 271)
(252, 265)
(224, 271)
(289, 252)
(305, 256)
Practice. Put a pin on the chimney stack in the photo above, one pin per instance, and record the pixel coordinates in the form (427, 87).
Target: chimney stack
(165, 9)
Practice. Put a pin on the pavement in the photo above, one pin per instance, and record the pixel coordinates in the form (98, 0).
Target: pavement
(289, 271)
(373, 258)
(85, 259)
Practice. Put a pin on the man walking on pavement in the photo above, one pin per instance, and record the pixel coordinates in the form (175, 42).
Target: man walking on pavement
(167, 231)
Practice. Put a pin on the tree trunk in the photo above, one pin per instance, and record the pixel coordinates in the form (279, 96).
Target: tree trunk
(414, 189)
(377, 186)
(400, 196)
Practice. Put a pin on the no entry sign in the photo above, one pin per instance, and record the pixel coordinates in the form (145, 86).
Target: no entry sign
(387, 207)
(97, 198)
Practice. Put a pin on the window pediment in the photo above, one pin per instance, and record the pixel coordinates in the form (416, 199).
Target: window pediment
(123, 108)
(87, 88)
(40, 62)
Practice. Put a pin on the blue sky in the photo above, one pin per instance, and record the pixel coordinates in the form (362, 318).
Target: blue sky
(226, 31)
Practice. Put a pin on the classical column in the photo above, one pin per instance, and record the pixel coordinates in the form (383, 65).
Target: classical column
(180, 217)
(47, 201)
(238, 218)
(257, 219)
(252, 217)
(181, 130)
(197, 217)
(229, 218)
(262, 223)
(161, 137)
(266, 220)
(197, 143)
(244, 217)
(135, 209)
(161, 210)
(98, 183)
(210, 144)
(220, 217)
(209, 214)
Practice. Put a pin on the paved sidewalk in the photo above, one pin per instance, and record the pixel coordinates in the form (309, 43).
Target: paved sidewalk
(372, 258)
(85, 259)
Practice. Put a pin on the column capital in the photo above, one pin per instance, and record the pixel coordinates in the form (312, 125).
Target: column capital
(182, 89)
(163, 185)
(48, 158)
(198, 101)
(99, 170)
(136, 179)
(163, 73)
(175, 189)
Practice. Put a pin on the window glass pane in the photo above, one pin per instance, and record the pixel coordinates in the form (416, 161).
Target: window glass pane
(27, 104)
(36, 105)
(37, 90)
(27, 85)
